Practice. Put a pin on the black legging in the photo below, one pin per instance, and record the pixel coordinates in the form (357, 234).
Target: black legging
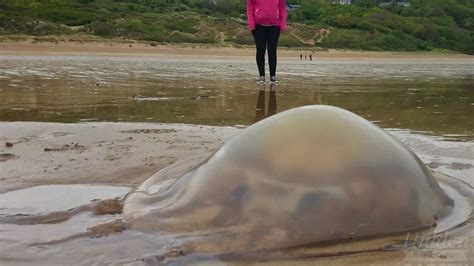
(266, 36)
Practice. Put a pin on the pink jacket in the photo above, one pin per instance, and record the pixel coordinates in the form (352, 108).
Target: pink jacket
(266, 12)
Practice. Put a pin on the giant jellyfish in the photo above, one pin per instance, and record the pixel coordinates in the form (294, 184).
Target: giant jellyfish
(309, 175)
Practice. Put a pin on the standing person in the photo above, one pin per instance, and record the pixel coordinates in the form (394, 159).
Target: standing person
(310, 57)
(301, 56)
(266, 19)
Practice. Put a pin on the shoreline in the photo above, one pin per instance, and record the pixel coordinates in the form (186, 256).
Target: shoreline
(131, 48)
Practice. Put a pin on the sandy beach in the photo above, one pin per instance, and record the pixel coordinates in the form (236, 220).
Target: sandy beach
(116, 156)
(133, 48)
(153, 133)
(99, 153)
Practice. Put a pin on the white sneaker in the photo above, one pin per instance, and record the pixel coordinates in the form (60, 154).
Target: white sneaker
(261, 79)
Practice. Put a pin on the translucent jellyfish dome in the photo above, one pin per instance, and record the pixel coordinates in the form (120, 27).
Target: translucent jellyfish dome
(307, 175)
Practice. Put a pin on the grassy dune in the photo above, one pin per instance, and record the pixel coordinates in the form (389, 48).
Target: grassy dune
(426, 25)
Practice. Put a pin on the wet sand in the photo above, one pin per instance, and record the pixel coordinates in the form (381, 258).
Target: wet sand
(125, 154)
(98, 153)
(133, 48)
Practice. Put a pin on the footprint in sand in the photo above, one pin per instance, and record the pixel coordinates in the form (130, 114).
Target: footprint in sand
(61, 134)
(460, 166)
(7, 156)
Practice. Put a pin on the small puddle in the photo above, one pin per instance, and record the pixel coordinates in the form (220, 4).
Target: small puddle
(462, 195)
(42, 200)
(52, 213)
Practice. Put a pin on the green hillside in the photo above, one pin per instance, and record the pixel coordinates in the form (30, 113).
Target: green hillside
(424, 25)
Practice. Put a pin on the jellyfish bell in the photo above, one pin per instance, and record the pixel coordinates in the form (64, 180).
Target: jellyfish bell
(308, 175)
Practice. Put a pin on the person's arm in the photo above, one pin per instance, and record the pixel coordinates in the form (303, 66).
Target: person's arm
(251, 14)
(283, 15)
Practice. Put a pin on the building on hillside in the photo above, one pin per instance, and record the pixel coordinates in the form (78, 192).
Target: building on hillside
(388, 4)
(342, 2)
(291, 7)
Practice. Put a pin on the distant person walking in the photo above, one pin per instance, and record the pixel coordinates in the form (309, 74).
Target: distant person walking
(310, 57)
(305, 56)
(266, 19)
(301, 56)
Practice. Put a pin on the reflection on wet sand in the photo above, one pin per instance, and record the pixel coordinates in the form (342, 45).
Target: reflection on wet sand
(433, 98)
(272, 103)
